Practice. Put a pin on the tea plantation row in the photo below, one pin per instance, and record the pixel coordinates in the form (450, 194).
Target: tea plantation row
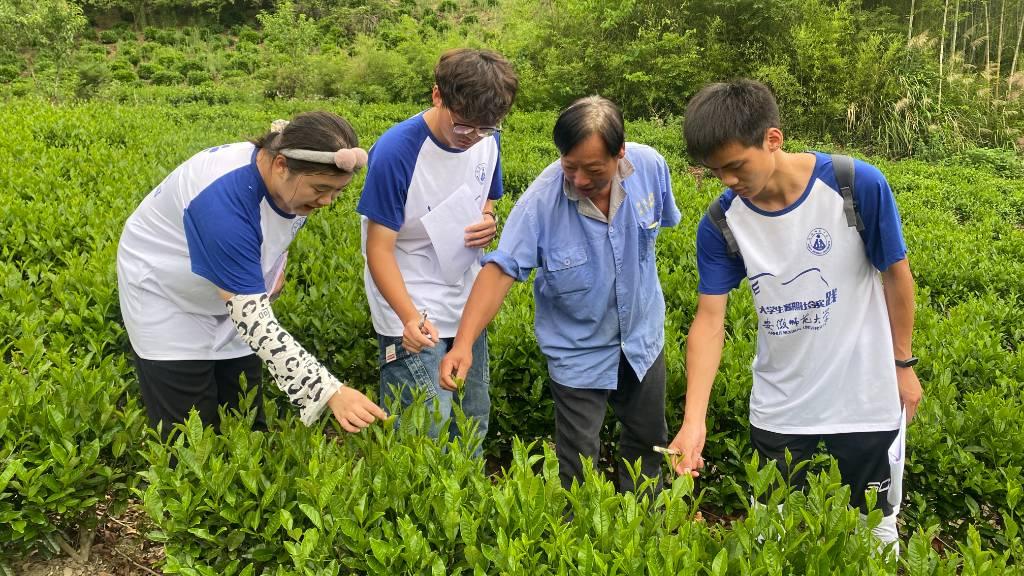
(297, 501)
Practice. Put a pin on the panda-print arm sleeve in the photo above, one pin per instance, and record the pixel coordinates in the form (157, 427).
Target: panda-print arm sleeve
(301, 376)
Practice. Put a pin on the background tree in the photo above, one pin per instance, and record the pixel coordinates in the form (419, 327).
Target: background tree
(34, 28)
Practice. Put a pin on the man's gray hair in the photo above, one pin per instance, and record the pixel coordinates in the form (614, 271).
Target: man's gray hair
(586, 116)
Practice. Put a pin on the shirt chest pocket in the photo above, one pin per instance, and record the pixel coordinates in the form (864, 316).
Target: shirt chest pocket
(646, 237)
(566, 270)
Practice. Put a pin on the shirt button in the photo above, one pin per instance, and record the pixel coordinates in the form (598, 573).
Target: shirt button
(567, 261)
(611, 229)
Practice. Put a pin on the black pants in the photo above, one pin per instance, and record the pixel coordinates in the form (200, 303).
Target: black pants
(171, 388)
(863, 459)
(638, 405)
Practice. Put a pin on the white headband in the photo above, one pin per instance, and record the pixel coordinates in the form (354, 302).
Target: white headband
(347, 159)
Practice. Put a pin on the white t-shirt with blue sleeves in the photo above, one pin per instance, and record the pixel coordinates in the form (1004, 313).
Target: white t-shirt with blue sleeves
(210, 224)
(824, 362)
(410, 172)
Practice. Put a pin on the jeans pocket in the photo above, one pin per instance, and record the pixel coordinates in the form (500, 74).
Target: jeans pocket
(403, 373)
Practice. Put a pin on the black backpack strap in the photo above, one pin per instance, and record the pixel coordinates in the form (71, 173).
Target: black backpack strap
(843, 167)
(717, 216)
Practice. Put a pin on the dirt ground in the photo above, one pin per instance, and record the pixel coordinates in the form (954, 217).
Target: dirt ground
(119, 548)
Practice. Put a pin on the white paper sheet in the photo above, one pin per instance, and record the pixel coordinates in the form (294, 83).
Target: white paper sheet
(446, 227)
(897, 460)
(226, 329)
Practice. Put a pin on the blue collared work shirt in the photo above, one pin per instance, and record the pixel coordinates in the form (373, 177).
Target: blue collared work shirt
(597, 291)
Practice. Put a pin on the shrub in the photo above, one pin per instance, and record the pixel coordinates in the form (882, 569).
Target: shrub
(125, 32)
(164, 36)
(246, 47)
(208, 94)
(288, 32)
(120, 64)
(61, 344)
(109, 36)
(20, 87)
(8, 72)
(375, 72)
(197, 77)
(218, 42)
(190, 65)
(191, 32)
(247, 34)
(242, 62)
(91, 75)
(148, 69)
(287, 81)
(1004, 162)
(165, 77)
(80, 450)
(124, 75)
(397, 502)
(92, 49)
(169, 58)
(130, 53)
(147, 50)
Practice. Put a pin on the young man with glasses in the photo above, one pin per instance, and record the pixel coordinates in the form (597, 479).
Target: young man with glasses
(415, 297)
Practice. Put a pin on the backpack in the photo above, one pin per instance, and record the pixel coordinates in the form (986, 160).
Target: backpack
(843, 167)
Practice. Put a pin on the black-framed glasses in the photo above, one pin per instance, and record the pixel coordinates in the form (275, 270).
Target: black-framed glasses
(468, 129)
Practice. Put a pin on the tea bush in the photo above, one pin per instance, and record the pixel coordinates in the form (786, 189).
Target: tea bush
(199, 77)
(293, 500)
(9, 72)
(165, 77)
(397, 502)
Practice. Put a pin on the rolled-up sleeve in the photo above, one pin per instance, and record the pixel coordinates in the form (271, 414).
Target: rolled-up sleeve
(518, 250)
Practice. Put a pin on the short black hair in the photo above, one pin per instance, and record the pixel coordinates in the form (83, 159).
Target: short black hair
(320, 131)
(478, 85)
(586, 116)
(738, 111)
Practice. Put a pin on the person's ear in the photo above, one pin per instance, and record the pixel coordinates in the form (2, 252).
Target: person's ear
(773, 139)
(279, 165)
(622, 152)
(435, 97)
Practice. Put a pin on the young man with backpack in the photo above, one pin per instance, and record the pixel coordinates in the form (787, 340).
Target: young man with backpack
(833, 291)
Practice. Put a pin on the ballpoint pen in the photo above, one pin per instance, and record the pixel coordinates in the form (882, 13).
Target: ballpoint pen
(423, 320)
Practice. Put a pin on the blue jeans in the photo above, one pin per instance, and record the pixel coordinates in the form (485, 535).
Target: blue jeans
(408, 372)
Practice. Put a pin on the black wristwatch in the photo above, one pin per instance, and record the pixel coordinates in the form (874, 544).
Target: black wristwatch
(908, 363)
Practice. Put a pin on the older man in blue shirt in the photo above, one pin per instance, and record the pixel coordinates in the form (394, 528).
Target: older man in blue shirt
(588, 225)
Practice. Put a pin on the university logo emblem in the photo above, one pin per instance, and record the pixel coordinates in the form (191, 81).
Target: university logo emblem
(481, 172)
(819, 242)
